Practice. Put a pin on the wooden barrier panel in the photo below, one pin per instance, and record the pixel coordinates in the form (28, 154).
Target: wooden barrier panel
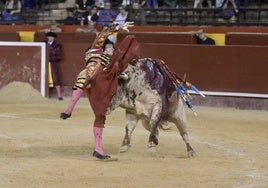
(161, 37)
(67, 37)
(216, 68)
(239, 38)
(211, 68)
(9, 36)
(17, 64)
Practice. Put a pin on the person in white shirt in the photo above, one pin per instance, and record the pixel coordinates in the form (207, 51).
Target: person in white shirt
(13, 6)
(122, 16)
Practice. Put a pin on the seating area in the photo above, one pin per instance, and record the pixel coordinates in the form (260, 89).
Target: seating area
(178, 12)
(208, 16)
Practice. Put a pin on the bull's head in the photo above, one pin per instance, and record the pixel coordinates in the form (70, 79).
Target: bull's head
(123, 78)
(125, 94)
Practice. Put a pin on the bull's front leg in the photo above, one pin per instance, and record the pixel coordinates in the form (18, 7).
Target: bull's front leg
(131, 123)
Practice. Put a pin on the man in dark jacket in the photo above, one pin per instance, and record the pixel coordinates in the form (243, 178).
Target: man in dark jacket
(203, 39)
(55, 55)
(136, 14)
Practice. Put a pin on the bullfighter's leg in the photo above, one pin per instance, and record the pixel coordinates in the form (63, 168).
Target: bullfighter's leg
(99, 152)
(131, 124)
(98, 132)
(181, 123)
(77, 93)
(78, 88)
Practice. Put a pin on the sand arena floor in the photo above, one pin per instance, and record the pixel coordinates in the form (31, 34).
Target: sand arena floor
(37, 149)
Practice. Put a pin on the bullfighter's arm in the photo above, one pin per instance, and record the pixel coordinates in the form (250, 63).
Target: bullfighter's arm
(103, 35)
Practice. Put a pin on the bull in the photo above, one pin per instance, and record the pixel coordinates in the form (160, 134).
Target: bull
(147, 93)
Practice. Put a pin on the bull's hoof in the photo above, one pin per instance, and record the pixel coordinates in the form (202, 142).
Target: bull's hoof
(190, 150)
(151, 144)
(190, 153)
(124, 148)
(153, 140)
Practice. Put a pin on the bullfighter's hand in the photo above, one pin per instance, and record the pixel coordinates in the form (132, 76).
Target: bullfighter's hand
(126, 25)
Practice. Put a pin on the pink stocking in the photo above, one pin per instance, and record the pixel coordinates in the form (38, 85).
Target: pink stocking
(75, 97)
(58, 89)
(98, 139)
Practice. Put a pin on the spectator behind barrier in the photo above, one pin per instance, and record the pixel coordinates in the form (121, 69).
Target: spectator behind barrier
(12, 7)
(136, 14)
(107, 15)
(116, 3)
(202, 39)
(2, 7)
(199, 3)
(28, 4)
(122, 16)
(230, 8)
(151, 4)
(53, 28)
(90, 21)
(99, 4)
(70, 19)
(91, 15)
(126, 3)
(83, 5)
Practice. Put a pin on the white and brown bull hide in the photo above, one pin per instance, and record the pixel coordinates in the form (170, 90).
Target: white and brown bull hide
(148, 95)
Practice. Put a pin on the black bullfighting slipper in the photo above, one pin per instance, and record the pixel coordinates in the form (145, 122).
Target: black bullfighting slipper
(64, 115)
(103, 157)
(99, 156)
